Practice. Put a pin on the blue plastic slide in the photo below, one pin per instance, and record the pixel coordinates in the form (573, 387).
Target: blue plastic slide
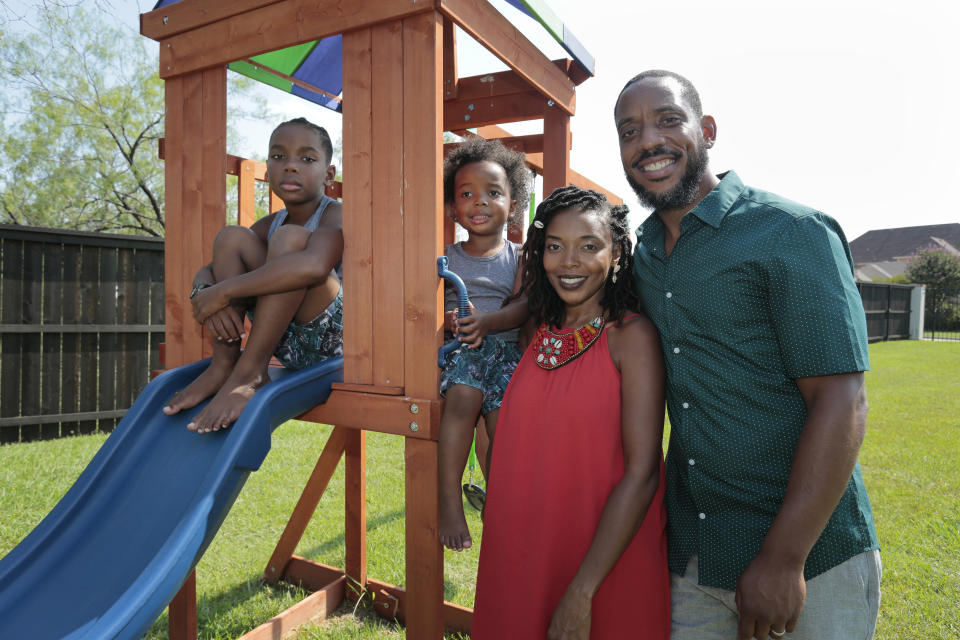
(117, 547)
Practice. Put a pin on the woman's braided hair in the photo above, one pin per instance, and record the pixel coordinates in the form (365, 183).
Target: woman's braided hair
(476, 149)
(619, 298)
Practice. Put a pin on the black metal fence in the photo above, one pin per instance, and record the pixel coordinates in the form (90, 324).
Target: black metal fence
(888, 310)
(81, 317)
(941, 317)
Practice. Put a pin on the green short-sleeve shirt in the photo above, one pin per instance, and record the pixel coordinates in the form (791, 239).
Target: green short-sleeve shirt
(757, 291)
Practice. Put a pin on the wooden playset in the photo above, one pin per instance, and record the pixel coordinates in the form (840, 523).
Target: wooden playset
(400, 93)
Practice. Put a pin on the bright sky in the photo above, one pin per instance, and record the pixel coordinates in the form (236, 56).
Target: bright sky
(849, 106)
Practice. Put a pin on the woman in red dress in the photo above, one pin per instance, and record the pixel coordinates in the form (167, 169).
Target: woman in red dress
(574, 540)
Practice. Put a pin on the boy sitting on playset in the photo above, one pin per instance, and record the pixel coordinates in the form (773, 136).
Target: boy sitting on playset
(281, 271)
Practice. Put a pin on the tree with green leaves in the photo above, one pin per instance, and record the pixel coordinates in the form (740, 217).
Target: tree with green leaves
(80, 115)
(940, 271)
(936, 268)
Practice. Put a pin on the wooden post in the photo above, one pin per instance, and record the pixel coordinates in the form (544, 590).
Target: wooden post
(355, 505)
(556, 149)
(195, 155)
(358, 226)
(183, 611)
(423, 304)
(195, 158)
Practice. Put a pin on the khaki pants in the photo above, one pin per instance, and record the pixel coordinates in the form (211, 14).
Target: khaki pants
(842, 604)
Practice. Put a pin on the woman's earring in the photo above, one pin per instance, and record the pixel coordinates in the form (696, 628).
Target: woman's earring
(616, 268)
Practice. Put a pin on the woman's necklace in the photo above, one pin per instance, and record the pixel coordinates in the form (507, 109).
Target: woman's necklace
(555, 350)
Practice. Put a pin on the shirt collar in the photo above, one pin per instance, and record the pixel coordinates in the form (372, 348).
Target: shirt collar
(711, 210)
(714, 207)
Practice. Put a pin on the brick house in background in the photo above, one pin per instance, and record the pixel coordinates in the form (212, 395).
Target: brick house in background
(883, 253)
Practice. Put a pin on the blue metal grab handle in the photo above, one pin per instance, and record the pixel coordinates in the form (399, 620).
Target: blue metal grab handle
(463, 305)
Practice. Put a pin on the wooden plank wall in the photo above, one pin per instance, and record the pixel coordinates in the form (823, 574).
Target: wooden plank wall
(81, 316)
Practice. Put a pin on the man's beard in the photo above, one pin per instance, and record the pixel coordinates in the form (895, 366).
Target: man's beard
(682, 195)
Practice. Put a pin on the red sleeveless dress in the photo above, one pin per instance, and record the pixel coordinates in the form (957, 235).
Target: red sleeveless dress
(557, 457)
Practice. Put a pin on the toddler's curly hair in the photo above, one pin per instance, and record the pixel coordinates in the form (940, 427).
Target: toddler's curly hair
(476, 149)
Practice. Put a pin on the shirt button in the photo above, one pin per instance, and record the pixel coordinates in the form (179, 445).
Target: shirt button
(691, 461)
(669, 294)
(703, 516)
(685, 405)
(676, 349)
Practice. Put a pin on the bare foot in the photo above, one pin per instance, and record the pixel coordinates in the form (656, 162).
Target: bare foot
(228, 404)
(204, 386)
(454, 532)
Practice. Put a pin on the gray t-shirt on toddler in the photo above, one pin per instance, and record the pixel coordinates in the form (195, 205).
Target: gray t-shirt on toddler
(489, 280)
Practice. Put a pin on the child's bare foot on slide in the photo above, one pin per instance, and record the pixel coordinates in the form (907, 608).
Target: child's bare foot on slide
(204, 386)
(453, 529)
(228, 404)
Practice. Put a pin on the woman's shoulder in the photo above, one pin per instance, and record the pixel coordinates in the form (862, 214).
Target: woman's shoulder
(634, 334)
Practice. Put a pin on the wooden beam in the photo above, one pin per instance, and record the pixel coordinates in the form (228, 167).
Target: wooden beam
(400, 415)
(309, 574)
(190, 14)
(455, 616)
(315, 607)
(577, 74)
(464, 113)
(586, 183)
(292, 80)
(532, 143)
(489, 85)
(492, 30)
(313, 575)
(450, 79)
(273, 27)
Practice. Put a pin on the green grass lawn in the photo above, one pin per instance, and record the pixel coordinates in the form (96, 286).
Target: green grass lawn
(910, 464)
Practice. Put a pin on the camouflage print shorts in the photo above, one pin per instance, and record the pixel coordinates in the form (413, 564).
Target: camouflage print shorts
(319, 339)
(487, 368)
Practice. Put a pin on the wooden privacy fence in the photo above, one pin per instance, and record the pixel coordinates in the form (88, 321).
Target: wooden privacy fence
(81, 317)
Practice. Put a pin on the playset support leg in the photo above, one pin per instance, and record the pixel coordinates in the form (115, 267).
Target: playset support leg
(182, 612)
(355, 505)
(309, 499)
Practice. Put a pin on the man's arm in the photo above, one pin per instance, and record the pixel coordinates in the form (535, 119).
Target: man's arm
(771, 591)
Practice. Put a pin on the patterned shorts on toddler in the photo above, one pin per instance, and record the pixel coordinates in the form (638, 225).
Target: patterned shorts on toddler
(319, 339)
(487, 368)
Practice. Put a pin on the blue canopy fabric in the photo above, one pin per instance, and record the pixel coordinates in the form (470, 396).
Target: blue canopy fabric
(314, 70)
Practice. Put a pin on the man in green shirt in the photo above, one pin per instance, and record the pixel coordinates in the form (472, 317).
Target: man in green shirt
(764, 342)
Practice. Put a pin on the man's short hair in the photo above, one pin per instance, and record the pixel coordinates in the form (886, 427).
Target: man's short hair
(688, 92)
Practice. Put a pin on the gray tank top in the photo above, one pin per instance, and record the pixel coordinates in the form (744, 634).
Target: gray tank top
(311, 224)
(489, 280)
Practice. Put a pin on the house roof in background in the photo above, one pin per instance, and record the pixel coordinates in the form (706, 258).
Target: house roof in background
(879, 271)
(884, 245)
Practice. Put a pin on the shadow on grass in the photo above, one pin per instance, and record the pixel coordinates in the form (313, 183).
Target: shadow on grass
(338, 541)
(232, 613)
